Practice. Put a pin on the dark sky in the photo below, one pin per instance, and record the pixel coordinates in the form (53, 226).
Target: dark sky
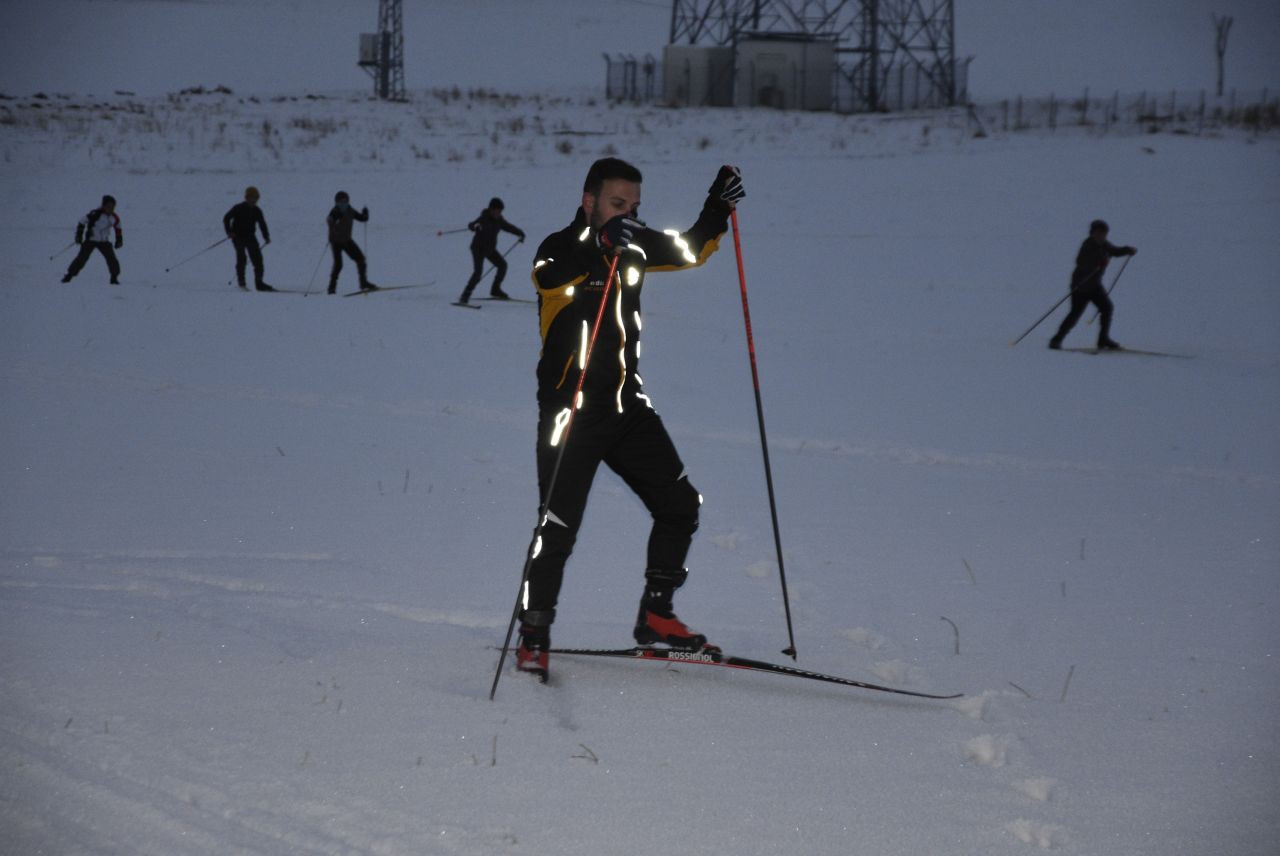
(269, 46)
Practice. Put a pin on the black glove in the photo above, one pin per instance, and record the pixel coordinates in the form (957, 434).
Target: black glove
(618, 233)
(1130, 251)
(79, 234)
(119, 241)
(364, 212)
(728, 185)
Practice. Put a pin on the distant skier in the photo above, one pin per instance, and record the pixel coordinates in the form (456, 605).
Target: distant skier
(240, 224)
(95, 232)
(615, 422)
(340, 220)
(1086, 285)
(484, 245)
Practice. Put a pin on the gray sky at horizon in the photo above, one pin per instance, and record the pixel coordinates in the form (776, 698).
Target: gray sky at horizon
(153, 47)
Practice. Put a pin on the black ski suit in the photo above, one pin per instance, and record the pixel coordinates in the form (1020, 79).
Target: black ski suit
(1086, 286)
(615, 424)
(341, 220)
(240, 224)
(484, 245)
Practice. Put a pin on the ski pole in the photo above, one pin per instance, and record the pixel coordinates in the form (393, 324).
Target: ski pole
(1064, 299)
(201, 253)
(492, 268)
(317, 269)
(440, 232)
(1111, 288)
(555, 473)
(61, 251)
(790, 650)
(1042, 317)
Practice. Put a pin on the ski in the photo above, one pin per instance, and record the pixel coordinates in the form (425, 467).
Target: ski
(465, 305)
(386, 288)
(711, 656)
(1135, 351)
(507, 299)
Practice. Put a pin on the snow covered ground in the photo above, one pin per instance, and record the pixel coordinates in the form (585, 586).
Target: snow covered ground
(254, 549)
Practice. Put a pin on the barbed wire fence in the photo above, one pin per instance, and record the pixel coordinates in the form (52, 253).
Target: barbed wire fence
(639, 80)
(1191, 112)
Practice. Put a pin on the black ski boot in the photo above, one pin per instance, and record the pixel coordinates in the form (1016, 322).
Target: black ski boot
(656, 623)
(1109, 345)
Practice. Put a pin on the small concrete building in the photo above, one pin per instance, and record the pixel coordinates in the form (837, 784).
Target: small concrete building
(697, 75)
(785, 70)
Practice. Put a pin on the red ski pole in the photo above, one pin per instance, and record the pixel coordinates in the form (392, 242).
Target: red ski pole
(790, 650)
(555, 472)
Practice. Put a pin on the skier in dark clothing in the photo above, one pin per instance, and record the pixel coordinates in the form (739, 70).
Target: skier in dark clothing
(1086, 285)
(484, 245)
(340, 220)
(240, 224)
(615, 423)
(95, 232)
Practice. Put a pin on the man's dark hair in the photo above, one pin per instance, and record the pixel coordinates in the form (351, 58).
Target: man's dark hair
(605, 169)
(108, 200)
(1099, 226)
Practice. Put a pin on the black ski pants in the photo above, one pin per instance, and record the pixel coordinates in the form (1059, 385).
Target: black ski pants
(478, 257)
(86, 250)
(248, 247)
(636, 446)
(352, 250)
(1080, 300)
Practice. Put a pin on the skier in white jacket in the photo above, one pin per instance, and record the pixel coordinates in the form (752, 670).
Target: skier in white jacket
(95, 232)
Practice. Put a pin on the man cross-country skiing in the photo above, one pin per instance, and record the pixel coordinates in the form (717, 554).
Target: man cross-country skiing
(240, 224)
(95, 232)
(484, 245)
(341, 220)
(1086, 285)
(615, 423)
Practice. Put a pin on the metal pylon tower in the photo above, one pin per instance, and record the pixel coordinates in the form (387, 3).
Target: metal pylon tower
(387, 69)
(881, 43)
